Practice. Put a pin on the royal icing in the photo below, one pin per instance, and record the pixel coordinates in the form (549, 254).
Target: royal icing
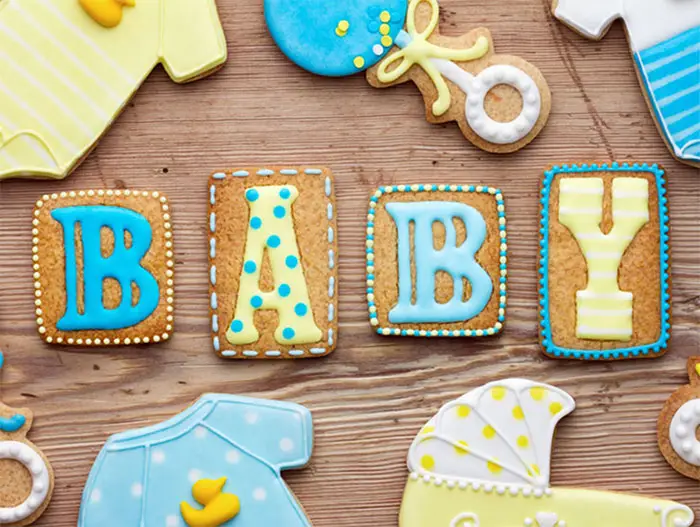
(223, 447)
(665, 39)
(684, 424)
(484, 461)
(36, 466)
(603, 311)
(64, 77)
(271, 232)
(12, 424)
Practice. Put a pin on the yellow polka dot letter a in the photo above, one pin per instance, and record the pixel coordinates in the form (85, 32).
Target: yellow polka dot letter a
(273, 263)
(271, 230)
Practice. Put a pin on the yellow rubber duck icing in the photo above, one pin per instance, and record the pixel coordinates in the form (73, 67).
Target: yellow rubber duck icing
(219, 507)
(107, 13)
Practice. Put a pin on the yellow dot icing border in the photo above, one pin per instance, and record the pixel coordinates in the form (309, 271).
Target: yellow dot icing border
(169, 272)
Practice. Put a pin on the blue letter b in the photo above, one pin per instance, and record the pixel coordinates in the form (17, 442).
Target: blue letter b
(123, 265)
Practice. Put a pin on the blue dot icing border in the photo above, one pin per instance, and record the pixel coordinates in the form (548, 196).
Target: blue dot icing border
(648, 350)
(503, 263)
(213, 299)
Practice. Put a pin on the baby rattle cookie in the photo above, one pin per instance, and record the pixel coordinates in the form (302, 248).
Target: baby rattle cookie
(500, 102)
(484, 461)
(664, 36)
(26, 476)
(69, 67)
(678, 424)
(218, 463)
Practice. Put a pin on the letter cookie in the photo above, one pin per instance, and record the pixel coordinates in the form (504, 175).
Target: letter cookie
(664, 36)
(273, 271)
(103, 267)
(484, 461)
(678, 425)
(69, 68)
(26, 476)
(604, 264)
(500, 102)
(226, 453)
(436, 260)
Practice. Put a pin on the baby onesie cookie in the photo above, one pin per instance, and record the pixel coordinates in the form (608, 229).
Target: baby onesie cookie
(500, 102)
(69, 67)
(678, 424)
(484, 461)
(436, 260)
(220, 460)
(103, 267)
(273, 263)
(604, 265)
(26, 476)
(664, 36)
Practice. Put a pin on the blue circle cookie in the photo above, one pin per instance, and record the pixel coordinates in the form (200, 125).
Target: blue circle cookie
(335, 38)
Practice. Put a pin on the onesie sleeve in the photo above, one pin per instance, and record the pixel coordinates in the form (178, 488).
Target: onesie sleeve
(193, 40)
(591, 18)
(278, 433)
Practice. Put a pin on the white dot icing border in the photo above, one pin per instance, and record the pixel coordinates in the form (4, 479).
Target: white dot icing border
(169, 272)
(213, 300)
(682, 430)
(41, 481)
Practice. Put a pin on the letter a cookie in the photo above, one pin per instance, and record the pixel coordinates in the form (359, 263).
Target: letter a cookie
(273, 272)
(436, 261)
(604, 264)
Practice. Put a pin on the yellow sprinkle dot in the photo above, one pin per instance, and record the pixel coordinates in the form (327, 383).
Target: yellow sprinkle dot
(555, 408)
(387, 41)
(427, 430)
(340, 33)
(498, 393)
(518, 413)
(384, 29)
(344, 25)
(697, 369)
(385, 16)
(359, 62)
(462, 449)
(537, 393)
(534, 470)
(523, 442)
(463, 411)
(494, 467)
(427, 462)
(489, 432)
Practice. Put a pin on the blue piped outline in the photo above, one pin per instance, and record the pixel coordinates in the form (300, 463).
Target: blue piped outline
(658, 347)
(503, 264)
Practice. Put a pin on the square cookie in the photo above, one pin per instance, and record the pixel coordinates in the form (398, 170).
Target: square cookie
(436, 261)
(272, 254)
(103, 267)
(604, 269)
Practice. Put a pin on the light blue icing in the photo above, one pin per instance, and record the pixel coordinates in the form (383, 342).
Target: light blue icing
(305, 30)
(123, 265)
(458, 261)
(140, 477)
(12, 424)
(546, 328)
(670, 72)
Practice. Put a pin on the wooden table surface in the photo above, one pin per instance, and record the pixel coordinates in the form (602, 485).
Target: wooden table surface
(373, 394)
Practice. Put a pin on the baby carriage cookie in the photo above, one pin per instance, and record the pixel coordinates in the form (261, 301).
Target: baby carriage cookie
(678, 423)
(217, 463)
(26, 476)
(484, 461)
(664, 36)
(459, 77)
(68, 68)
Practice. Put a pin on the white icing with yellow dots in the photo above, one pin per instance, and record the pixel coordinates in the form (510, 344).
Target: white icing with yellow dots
(271, 229)
(604, 312)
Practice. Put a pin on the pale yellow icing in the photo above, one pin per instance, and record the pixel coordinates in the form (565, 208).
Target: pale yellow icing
(604, 312)
(269, 231)
(64, 77)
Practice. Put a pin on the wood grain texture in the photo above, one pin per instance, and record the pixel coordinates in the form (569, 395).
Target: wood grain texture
(373, 394)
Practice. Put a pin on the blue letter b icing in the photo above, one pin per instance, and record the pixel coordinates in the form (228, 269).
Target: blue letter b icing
(458, 261)
(123, 265)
